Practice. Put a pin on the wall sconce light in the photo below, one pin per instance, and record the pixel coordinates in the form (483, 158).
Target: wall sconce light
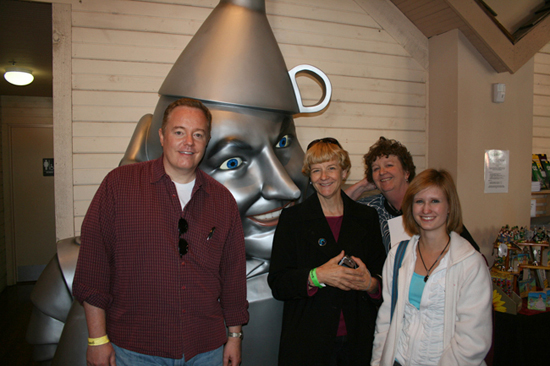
(18, 76)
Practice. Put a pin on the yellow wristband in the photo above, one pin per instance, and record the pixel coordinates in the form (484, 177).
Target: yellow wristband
(98, 341)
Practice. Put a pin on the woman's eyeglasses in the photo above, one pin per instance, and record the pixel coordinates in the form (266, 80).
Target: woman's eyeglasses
(330, 140)
(183, 246)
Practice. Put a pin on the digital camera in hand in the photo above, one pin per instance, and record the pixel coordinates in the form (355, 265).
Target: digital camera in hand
(348, 262)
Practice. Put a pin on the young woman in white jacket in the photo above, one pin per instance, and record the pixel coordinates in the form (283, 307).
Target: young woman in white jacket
(443, 311)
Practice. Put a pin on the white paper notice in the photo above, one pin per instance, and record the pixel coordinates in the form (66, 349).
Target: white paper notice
(496, 171)
(397, 231)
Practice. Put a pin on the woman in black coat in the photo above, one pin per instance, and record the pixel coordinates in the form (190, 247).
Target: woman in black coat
(330, 309)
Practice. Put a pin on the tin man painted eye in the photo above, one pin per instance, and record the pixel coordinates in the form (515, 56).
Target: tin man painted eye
(232, 163)
(283, 142)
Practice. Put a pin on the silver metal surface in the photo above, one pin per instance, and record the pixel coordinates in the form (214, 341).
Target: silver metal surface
(52, 301)
(267, 176)
(234, 65)
(234, 46)
(67, 252)
(71, 349)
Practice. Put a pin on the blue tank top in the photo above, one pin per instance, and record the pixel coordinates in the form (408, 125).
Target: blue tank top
(416, 289)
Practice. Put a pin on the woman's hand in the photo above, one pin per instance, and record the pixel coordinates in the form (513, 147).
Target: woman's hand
(355, 191)
(346, 278)
(363, 280)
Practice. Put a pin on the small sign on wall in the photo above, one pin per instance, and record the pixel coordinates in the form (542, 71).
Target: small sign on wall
(47, 167)
(496, 171)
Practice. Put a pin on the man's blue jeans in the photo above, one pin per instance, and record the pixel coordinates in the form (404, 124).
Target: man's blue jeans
(129, 358)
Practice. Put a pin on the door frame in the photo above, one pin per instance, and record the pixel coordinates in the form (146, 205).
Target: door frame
(62, 119)
(9, 220)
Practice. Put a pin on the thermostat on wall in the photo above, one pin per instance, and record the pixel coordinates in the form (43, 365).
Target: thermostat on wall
(499, 90)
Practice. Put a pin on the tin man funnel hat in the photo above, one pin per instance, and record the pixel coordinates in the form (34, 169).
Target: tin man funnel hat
(234, 59)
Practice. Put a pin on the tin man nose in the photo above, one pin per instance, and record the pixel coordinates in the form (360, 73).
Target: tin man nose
(276, 183)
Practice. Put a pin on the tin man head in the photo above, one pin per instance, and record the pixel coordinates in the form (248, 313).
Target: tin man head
(234, 66)
(256, 155)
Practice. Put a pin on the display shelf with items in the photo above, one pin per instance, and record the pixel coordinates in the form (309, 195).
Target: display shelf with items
(540, 172)
(540, 186)
(541, 200)
(521, 263)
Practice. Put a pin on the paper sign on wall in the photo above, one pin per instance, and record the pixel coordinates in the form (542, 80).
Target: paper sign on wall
(496, 171)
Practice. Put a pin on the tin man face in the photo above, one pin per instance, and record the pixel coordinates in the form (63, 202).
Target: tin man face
(256, 155)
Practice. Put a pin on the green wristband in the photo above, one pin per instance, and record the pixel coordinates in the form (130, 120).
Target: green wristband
(314, 279)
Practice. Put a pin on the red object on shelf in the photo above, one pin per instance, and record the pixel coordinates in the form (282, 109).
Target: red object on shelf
(525, 311)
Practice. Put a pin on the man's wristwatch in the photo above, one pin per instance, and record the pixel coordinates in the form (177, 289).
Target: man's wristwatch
(235, 335)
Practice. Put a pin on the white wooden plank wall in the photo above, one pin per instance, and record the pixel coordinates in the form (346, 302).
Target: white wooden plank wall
(541, 102)
(122, 50)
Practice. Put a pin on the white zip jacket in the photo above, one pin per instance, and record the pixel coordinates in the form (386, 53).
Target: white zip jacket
(468, 306)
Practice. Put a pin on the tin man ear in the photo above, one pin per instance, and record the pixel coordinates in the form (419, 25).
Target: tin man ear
(137, 151)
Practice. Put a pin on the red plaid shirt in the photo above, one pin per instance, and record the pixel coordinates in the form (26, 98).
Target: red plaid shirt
(156, 302)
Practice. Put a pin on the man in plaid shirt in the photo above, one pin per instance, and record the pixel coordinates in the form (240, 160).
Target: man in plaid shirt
(161, 269)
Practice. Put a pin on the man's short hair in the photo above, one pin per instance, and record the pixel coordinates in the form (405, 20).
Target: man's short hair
(191, 103)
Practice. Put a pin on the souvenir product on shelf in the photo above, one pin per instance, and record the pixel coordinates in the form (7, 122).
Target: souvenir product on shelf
(521, 262)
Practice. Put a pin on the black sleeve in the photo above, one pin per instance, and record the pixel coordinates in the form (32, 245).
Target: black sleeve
(466, 235)
(287, 274)
(377, 253)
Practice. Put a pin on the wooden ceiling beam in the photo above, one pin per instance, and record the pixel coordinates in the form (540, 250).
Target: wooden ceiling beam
(433, 17)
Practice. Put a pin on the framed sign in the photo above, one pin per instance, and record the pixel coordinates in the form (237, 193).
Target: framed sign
(47, 167)
(496, 171)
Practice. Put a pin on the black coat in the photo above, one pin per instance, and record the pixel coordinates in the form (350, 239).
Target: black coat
(310, 323)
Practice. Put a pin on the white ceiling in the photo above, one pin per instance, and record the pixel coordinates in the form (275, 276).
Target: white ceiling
(26, 38)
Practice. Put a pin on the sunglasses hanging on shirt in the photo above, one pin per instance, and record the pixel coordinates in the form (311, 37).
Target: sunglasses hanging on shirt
(183, 246)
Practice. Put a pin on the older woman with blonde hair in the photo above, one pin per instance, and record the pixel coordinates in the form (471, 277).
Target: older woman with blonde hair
(437, 288)
(327, 253)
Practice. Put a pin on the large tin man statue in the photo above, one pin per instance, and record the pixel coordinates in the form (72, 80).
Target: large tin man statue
(233, 64)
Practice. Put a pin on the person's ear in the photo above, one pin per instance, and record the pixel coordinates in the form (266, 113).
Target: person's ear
(345, 174)
(161, 136)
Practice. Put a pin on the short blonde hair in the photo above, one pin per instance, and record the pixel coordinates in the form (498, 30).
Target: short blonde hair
(432, 178)
(323, 151)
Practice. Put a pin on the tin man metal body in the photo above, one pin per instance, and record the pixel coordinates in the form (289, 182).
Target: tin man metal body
(233, 64)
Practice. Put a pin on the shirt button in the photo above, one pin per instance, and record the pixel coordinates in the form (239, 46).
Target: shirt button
(183, 287)
(183, 263)
(183, 311)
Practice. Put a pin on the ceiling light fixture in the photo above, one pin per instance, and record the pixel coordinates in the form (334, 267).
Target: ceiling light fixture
(18, 76)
